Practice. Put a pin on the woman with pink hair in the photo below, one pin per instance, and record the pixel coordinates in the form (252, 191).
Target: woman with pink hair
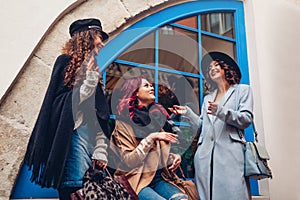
(142, 139)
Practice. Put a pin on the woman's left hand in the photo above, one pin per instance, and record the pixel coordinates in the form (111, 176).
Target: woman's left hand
(176, 160)
(212, 107)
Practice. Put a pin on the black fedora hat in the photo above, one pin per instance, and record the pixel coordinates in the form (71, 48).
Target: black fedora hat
(207, 58)
(85, 24)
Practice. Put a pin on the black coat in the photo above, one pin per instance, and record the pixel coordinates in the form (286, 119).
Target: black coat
(52, 134)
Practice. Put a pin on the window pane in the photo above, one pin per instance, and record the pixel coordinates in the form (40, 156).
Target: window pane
(141, 52)
(215, 44)
(219, 23)
(178, 90)
(178, 49)
(189, 22)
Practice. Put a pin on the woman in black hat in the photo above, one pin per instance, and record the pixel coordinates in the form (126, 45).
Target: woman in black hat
(219, 159)
(69, 133)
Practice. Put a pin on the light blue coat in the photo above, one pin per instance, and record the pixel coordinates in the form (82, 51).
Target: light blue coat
(219, 159)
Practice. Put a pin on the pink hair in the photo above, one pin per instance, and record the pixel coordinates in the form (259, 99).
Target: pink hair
(129, 90)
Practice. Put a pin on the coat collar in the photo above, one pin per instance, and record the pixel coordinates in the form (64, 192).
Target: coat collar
(225, 98)
(228, 94)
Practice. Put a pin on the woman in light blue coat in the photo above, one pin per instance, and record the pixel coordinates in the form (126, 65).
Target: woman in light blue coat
(219, 159)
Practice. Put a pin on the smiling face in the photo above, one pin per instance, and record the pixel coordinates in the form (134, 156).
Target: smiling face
(98, 43)
(215, 71)
(145, 93)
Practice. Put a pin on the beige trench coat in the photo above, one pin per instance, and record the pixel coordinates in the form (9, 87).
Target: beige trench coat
(138, 170)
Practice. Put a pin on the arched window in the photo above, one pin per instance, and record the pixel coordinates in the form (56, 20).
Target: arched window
(168, 46)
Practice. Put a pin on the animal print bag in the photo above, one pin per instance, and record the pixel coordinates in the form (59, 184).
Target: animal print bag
(100, 185)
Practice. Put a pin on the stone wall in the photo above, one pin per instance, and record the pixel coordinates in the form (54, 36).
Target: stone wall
(19, 110)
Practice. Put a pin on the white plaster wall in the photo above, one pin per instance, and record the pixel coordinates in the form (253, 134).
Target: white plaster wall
(273, 47)
(23, 23)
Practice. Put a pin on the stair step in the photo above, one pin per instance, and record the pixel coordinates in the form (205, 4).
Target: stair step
(260, 198)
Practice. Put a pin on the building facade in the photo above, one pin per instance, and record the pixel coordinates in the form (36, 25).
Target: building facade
(165, 40)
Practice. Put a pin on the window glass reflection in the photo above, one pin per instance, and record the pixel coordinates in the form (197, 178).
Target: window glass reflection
(218, 23)
(178, 49)
(177, 89)
(142, 51)
(216, 44)
(189, 22)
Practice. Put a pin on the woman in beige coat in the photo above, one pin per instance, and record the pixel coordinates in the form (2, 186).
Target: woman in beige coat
(141, 140)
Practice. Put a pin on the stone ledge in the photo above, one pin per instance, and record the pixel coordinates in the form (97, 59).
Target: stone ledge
(260, 198)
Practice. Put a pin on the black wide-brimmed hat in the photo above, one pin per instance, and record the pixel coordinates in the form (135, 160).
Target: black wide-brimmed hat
(211, 56)
(86, 24)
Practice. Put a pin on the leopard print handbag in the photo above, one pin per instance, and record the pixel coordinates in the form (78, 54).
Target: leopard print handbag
(98, 184)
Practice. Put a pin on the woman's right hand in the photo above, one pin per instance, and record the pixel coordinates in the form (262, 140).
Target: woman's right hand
(91, 67)
(178, 110)
(164, 136)
(90, 63)
(99, 163)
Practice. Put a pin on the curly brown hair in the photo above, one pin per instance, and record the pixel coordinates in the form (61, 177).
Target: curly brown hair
(230, 75)
(81, 48)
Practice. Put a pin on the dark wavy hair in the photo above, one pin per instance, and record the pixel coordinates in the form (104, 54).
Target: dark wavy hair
(80, 48)
(230, 76)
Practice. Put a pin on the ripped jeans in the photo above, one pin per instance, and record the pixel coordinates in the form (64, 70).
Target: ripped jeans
(159, 189)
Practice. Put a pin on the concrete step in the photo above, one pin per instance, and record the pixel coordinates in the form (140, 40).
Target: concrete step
(260, 198)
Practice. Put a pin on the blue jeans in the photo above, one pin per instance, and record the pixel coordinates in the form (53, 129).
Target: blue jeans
(159, 189)
(79, 158)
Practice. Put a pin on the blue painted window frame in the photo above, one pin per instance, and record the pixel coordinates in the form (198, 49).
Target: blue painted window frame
(151, 23)
(25, 189)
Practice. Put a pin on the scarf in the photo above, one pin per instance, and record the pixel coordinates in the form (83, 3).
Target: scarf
(148, 120)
